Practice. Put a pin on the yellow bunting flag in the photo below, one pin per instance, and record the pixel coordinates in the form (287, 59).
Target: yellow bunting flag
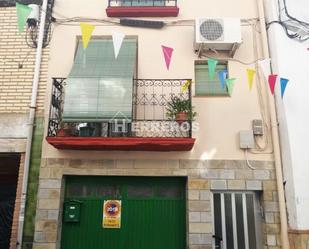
(250, 73)
(185, 86)
(87, 30)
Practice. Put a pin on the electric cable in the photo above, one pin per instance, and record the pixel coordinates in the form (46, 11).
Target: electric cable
(247, 160)
(291, 20)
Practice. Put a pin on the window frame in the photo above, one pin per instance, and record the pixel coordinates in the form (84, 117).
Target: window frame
(204, 62)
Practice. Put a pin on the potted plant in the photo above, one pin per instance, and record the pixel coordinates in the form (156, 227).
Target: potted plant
(180, 109)
(66, 129)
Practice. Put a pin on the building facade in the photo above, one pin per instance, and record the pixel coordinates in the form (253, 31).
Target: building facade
(16, 74)
(291, 109)
(176, 183)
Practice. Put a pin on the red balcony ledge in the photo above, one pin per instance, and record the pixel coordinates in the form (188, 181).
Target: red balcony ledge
(145, 11)
(124, 144)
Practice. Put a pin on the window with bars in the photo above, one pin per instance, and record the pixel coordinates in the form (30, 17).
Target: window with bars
(237, 220)
(143, 3)
(204, 86)
(99, 86)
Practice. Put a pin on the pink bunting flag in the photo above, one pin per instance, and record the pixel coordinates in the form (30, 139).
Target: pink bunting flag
(272, 79)
(167, 52)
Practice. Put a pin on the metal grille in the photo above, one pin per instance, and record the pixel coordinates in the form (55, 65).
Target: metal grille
(236, 221)
(212, 30)
(149, 101)
(141, 3)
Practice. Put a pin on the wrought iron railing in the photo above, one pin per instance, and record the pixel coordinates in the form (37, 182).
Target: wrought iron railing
(149, 112)
(141, 3)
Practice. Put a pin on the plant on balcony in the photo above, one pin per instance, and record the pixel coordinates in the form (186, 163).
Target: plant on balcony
(180, 109)
(65, 130)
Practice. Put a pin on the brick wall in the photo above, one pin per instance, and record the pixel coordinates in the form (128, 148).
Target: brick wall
(15, 82)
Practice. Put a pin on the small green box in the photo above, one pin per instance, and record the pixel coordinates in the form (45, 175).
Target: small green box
(72, 211)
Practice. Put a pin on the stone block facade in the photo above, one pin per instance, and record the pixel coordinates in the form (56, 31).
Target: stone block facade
(203, 177)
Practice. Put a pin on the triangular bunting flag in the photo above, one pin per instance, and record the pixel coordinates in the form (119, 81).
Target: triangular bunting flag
(22, 12)
(230, 85)
(272, 79)
(185, 86)
(264, 65)
(283, 83)
(87, 30)
(222, 77)
(212, 68)
(117, 41)
(167, 52)
(250, 73)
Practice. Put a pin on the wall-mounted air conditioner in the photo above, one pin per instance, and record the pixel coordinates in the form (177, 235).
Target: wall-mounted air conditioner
(221, 34)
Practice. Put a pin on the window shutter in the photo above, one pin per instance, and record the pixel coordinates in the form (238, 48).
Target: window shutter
(204, 85)
(100, 87)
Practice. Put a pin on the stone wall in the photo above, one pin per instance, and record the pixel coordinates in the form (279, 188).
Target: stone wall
(203, 178)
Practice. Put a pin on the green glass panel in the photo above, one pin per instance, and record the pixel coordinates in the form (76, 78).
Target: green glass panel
(99, 86)
(204, 85)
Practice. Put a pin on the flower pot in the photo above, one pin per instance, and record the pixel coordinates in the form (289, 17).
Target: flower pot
(64, 132)
(181, 117)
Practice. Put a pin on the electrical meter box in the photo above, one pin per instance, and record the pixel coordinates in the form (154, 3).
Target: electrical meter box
(72, 211)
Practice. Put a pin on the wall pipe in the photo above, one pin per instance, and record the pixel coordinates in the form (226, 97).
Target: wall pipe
(275, 138)
(32, 108)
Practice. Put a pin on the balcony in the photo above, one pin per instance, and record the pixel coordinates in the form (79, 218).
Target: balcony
(142, 8)
(146, 129)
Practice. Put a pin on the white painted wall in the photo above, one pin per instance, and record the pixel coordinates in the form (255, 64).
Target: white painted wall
(290, 59)
(220, 118)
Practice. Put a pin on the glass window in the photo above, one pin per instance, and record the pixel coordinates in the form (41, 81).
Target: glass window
(108, 191)
(204, 86)
(99, 86)
(79, 190)
(169, 192)
(143, 2)
(140, 191)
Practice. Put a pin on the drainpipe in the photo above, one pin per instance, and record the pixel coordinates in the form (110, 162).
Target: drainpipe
(32, 107)
(275, 136)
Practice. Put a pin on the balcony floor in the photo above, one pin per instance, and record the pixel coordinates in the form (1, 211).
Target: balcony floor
(122, 143)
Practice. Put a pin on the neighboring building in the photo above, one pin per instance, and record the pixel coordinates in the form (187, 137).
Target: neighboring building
(289, 60)
(16, 74)
(108, 136)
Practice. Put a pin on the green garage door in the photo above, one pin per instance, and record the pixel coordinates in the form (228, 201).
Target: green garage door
(153, 213)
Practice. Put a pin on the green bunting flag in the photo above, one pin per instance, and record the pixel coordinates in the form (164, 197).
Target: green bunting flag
(22, 12)
(230, 85)
(212, 68)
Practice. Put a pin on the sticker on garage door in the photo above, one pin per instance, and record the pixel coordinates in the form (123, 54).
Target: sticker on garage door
(112, 214)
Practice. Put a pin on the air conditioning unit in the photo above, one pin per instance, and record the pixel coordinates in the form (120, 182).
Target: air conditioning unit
(221, 34)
